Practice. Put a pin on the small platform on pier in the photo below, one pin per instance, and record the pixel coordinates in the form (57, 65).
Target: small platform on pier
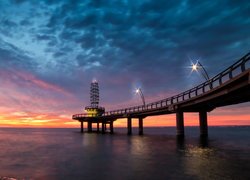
(103, 124)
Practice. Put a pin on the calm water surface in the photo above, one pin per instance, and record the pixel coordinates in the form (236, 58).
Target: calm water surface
(67, 154)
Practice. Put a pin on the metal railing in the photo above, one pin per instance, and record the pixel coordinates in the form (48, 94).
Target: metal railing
(84, 115)
(221, 78)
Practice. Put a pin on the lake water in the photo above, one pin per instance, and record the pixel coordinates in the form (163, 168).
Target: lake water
(53, 154)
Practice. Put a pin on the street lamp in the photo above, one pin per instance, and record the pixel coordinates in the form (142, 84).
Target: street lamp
(138, 91)
(197, 66)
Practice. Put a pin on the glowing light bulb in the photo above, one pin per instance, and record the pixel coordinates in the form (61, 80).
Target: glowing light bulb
(194, 67)
(94, 80)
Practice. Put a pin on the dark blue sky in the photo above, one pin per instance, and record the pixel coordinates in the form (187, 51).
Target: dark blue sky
(51, 49)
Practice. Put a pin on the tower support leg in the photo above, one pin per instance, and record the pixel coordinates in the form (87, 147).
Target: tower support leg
(81, 126)
(140, 126)
(98, 127)
(89, 127)
(129, 125)
(103, 128)
(111, 127)
(203, 123)
(180, 123)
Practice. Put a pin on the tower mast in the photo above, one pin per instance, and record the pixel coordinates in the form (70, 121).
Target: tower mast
(94, 109)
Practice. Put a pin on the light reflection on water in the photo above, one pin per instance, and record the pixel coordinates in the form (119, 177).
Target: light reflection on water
(67, 154)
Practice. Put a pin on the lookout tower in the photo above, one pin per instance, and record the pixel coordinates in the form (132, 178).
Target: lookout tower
(94, 109)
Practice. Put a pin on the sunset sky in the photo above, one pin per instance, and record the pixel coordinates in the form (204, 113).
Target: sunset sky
(50, 51)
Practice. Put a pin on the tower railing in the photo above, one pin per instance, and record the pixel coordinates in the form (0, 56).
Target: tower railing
(75, 116)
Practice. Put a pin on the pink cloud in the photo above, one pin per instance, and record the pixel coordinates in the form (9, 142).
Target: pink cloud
(34, 81)
(24, 98)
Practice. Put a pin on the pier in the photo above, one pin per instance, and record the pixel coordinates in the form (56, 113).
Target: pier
(231, 86)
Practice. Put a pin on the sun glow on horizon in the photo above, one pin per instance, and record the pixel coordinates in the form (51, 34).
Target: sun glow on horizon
(22, 119)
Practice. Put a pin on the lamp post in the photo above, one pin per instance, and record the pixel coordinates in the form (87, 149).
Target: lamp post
(138, 91)
(197, 66)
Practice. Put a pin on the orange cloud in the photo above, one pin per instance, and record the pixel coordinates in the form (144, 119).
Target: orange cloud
(23, 119)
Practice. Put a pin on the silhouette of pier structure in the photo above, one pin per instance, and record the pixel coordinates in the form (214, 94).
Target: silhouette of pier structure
(231, 86)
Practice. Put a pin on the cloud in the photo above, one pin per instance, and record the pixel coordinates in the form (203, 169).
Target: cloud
(22, 90)
(11, 56)
(121, 43)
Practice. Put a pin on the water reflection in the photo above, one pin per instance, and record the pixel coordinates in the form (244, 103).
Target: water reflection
(183, 145)
(180, 143)
(193, 147)
(46, 154)
(203, 142)
(200, 160)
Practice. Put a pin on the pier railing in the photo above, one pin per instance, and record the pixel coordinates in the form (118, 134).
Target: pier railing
(238, 67)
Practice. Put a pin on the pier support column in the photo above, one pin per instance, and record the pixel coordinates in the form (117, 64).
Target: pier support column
(140, 126)
(98, 127)
(203, 123)
(111, 127)
(180, 123)
(81, 126)
(103, 128)
(89, 126)
(129, 125)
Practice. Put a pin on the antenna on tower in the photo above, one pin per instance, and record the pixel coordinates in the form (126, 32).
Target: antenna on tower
(94, 94)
